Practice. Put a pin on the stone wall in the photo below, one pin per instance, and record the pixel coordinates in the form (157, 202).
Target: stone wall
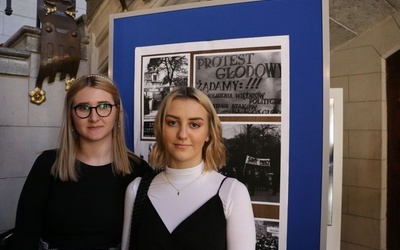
(358, 68)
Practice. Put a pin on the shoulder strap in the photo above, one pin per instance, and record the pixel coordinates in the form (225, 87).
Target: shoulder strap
(137, 208)
(222, 182)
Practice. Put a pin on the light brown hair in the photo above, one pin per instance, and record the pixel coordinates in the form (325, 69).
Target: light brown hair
(65, 167)
(214, 152)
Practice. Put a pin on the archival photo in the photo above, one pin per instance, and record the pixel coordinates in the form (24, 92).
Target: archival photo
(160, 74)
(254, 158)
(241, 82)
(267, 233)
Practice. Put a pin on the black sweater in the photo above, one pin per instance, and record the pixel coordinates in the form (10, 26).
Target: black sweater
(87, 214)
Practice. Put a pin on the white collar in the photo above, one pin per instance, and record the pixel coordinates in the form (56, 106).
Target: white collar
(186, 173)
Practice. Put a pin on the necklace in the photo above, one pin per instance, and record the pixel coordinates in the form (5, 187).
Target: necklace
(179, 190)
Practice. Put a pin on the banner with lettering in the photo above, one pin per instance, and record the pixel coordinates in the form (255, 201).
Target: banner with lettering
(242, 82)
(257, 161)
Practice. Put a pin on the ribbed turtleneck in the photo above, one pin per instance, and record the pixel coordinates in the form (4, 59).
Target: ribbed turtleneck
(180, 178)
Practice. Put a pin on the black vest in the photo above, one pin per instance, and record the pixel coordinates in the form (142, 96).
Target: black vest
(203, 230)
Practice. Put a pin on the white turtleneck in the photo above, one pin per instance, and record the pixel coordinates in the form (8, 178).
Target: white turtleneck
(196, 187)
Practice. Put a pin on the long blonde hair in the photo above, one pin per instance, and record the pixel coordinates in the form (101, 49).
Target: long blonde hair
(214, 152)
(65, 167)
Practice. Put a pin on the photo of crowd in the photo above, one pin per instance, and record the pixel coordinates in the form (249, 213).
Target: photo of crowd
(254, 158)
(267, 235)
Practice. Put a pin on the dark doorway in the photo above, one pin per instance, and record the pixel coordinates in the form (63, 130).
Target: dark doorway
(393, 155)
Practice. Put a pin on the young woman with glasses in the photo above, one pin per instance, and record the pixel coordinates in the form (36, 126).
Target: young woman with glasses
(73, 197)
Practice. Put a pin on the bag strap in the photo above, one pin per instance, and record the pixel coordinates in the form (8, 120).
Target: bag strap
(137, 208)
(6, 239)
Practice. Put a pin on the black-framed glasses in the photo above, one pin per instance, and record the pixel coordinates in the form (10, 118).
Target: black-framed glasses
(83, 110)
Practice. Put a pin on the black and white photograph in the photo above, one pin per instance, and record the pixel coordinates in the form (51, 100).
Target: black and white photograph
(160, 75)
(254, 158)
(241, 82)
(267, 233)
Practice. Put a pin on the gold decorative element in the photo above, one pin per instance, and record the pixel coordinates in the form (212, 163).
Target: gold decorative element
(71, 13)
(68, 83)
(50, 10)
(38, 96)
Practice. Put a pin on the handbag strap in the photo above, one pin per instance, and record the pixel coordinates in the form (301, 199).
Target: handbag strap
(6, 239)
(137, 208)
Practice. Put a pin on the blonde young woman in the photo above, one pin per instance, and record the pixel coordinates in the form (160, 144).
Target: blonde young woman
(73, 197)
(189, 205)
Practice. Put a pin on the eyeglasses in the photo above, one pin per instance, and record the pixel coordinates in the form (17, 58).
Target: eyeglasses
(83, 110)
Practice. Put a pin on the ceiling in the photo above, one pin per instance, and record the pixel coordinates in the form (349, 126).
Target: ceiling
(349, 18)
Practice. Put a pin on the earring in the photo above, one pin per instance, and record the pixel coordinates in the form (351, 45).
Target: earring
(207, 139)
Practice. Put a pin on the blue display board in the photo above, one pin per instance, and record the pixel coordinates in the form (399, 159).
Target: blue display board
(302, 22)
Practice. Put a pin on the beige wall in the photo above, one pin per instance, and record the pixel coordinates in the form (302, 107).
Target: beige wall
(359, 68)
